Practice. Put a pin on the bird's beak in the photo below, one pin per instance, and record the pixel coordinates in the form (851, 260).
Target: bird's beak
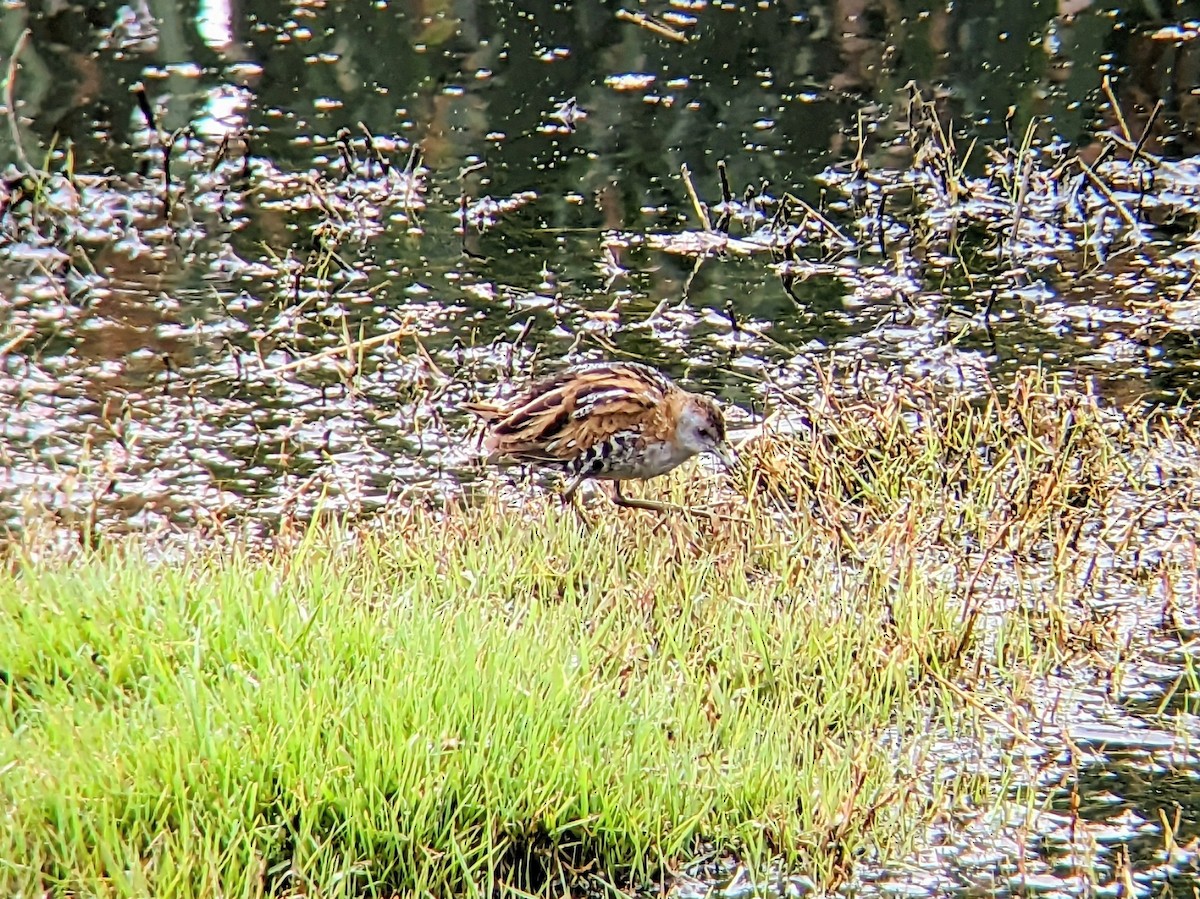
(725, 453)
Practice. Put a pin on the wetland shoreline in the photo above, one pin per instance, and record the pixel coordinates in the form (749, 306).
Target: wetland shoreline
(380, 707)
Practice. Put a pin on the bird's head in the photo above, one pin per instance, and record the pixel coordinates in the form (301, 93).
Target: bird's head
(701, 429)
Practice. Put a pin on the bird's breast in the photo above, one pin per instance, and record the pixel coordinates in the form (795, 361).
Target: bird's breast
(653, 458)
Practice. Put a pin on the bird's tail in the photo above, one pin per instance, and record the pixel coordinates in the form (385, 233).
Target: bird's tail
(489, 412)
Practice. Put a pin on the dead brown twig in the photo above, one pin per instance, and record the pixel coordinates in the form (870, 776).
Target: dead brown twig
(652, 25)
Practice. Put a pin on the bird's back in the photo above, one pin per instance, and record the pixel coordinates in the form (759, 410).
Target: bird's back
(573, 413)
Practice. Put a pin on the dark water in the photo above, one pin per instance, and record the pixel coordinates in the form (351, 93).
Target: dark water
(179, 351)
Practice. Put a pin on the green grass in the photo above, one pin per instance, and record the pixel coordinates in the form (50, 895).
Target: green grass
(397, 711)
(489, 699)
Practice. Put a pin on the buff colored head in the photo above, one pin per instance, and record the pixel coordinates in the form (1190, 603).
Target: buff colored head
(701, 429)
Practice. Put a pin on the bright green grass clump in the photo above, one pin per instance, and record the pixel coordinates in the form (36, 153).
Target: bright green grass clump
(465, 700)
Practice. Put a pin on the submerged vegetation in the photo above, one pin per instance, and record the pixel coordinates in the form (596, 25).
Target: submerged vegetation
(383, 708)
(923, 253)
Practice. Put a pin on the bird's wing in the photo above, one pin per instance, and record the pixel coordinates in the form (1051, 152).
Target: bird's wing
(567, 414)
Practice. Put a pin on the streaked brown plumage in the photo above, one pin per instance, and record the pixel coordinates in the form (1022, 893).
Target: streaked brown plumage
(613, 421)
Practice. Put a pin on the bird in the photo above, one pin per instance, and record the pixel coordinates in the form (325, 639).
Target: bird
(614, 421)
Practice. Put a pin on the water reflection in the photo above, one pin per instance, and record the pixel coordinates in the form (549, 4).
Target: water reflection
(292, 179)
(769, 88)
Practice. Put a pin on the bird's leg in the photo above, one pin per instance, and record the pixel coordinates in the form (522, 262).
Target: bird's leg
(621, 499)
(569, 493)
(570, 499)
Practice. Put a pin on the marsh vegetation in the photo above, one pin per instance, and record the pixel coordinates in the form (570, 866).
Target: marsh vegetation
(269, 626)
